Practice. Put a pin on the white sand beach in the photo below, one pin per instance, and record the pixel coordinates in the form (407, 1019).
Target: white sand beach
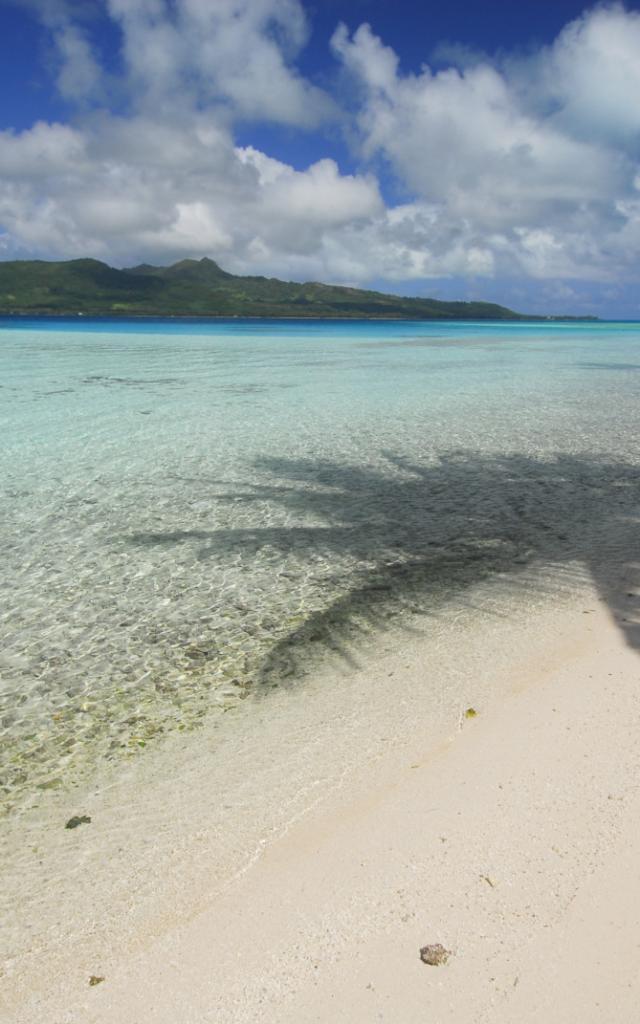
(513, 839)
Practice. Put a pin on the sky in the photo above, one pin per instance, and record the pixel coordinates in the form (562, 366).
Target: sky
(459, 150)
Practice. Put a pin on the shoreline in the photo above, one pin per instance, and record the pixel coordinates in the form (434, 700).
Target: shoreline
(353, 876)
(205, 317)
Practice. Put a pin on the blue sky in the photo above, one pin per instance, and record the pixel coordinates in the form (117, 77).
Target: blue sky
(456, 150)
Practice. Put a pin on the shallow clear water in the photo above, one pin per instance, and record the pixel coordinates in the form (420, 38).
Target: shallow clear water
(189, 511)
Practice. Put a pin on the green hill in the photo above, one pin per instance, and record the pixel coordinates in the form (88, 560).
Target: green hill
(201, 288)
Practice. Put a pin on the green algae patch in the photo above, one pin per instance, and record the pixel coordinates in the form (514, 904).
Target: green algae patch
(82, 819)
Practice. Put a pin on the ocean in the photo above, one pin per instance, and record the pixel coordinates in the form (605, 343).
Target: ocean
(195, 514)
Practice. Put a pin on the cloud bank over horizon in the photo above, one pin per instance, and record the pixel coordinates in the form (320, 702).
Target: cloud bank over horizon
(517, 167)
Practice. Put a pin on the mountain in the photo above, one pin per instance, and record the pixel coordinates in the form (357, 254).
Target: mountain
(202, 288)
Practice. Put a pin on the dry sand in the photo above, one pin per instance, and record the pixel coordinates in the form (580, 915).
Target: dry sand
(514, 842)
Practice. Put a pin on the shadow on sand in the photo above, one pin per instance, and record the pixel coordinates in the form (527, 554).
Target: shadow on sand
(416, 535)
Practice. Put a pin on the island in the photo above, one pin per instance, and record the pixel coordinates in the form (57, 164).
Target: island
(200, 288)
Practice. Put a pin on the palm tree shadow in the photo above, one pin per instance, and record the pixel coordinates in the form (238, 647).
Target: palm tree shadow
(417, 535)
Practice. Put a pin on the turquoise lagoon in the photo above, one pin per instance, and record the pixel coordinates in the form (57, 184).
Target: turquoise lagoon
(193, 513)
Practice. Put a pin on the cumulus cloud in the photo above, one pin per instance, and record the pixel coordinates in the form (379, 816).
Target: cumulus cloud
(165, 179)
(319, 196)
(189, 52)
(592, 73)
(239, 52)
(526, 165)
(144, 188)
(504, 151)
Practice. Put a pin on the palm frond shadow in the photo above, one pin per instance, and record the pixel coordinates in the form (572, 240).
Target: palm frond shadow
(415, 535)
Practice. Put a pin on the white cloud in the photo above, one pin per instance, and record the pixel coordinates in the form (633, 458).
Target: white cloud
(523, 166)
(239, 52)
(46, 149)
(318, 196)
(592, 72)
(534, 158)
(145, 188)
(80, 76)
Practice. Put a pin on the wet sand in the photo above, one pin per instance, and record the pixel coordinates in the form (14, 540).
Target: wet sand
(511, 838)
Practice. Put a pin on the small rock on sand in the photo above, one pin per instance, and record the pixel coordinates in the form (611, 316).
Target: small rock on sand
(434, 955)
